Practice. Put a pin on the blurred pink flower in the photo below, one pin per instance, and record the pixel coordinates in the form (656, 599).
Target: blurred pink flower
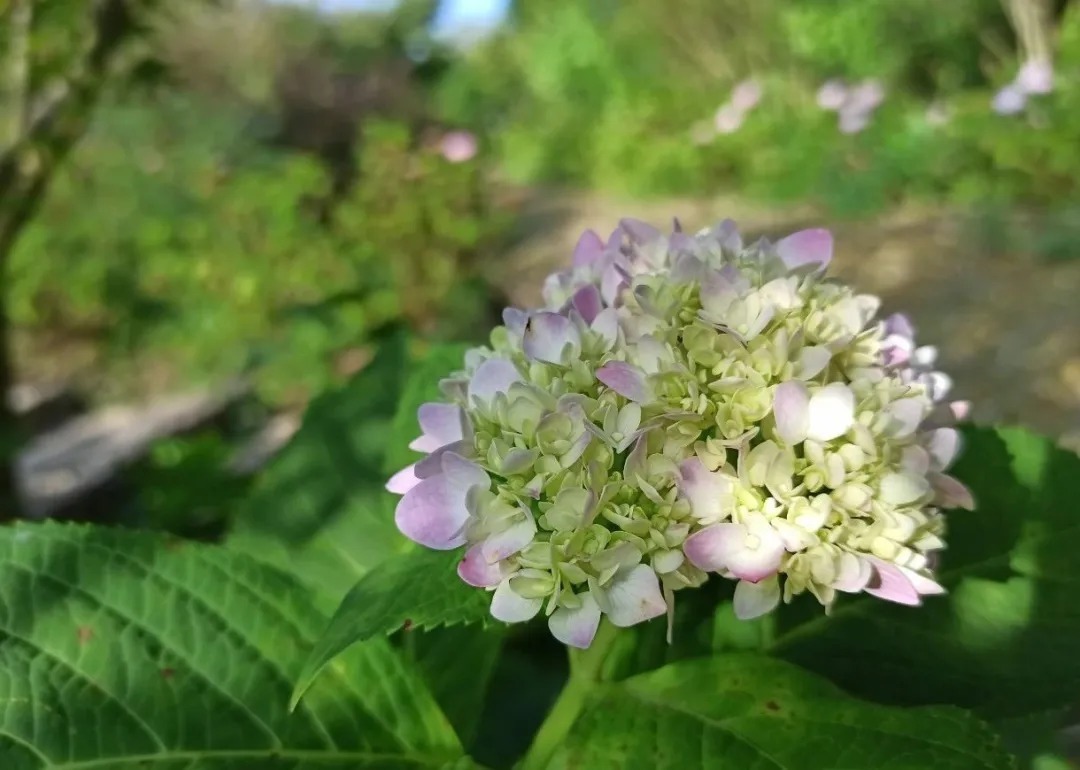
(832, 95)
(1009, 100)
(1035, 77)
(853, 121)
(745, 96)
(866, 96)
(728, 119)
(458, 146)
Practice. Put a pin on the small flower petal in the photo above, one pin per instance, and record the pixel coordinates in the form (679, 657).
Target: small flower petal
(475, 570)
(587, 302)
(589, 249)
(433, 513)
(442, 424)
(492, 377)
(626, 380)
(753, 600)
(576, 627)
(806, 247)
(831, 412)
(791, 410)
(509, 607)
(402, 481)
(551, 338)
(634, 597)
(888, 582)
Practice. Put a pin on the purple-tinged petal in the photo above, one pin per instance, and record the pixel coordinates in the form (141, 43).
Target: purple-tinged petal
(402, 481)
(432, 465)
(514, 320)
(442, 424)
(640, 232)
(626, 380)
(711, 548)
(509, 607)
(899, 324)
(709, 494)
(950, 493)
(635, 597)
(753, 600)
(587, 302)
(727, 235)
(613, 282)
(494, 376)
(551, 337)
(576, 627)
(889, 583)
(761, 553)
(806, 247)
(831, 412)
(832, 95)
(589, 248)
(943, 445)
(434, 512)
(475, 570)
(1009, 100)
(1036, 77)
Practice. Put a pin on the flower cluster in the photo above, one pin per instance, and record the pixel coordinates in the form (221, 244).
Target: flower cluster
(685, 405)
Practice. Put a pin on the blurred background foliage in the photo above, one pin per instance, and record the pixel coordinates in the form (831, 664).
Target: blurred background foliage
(255, 192)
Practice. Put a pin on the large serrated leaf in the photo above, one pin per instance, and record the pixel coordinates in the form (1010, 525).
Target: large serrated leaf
(420, 590)
(1002, 642)
(124, 649)
(748, 712)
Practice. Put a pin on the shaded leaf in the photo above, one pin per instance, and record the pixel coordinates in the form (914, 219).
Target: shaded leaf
(420, 590)
(746, 712)
(121, 648)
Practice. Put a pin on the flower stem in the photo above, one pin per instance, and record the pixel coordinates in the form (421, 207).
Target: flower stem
(585, 674)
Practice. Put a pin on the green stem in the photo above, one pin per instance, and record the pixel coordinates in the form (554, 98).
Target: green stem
(585, 674)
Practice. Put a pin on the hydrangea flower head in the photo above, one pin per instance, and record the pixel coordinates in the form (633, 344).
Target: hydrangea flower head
(686, 407)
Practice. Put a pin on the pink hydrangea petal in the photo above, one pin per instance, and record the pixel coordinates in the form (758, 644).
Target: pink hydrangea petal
(509, 607)
(433, 514)
(606, 324)
(432, 465)
(806, 247)
(576, 627)
(888, 582)
(402, 481)
(475, 570)
(950, 493)
(924, 585)
(791, 411)
(587, 302)
(494, 376)
(706, 491)
(589, 248)
(759, 562)
(442, 424)
(1036, 77)
(831, 412)
(548, 335)
(626, 380)
(753, 600)
(635, 597)
(712, 548)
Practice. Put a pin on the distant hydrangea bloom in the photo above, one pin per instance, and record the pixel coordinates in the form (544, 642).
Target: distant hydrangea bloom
(1009, 100)
(1036, 76)
(686, 405)
(746, 95)
(458, 146)
(832, 95)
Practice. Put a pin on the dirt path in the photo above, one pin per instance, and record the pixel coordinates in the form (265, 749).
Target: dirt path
(1007, 323)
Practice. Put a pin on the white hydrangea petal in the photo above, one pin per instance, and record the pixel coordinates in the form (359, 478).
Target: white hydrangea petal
(576, 627)
(505, 543)
(551, 338)
(806, 247)
(791, 410)
(509, 607)
(812, 361)
(402, 481)
(634, 597)
(943, 445)
(903, 488)
(492, 377)
(475, 570)
(753, 600)
(853, 573)
(627, 380)
(831, 412)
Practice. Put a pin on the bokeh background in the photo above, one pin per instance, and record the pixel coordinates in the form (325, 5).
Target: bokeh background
(226, 221)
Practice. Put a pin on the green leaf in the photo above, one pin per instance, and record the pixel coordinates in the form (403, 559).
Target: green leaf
(320, 510)
(747, 711)
(1002, 642)
(420, 590)
(457, 663)
(125, 649)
